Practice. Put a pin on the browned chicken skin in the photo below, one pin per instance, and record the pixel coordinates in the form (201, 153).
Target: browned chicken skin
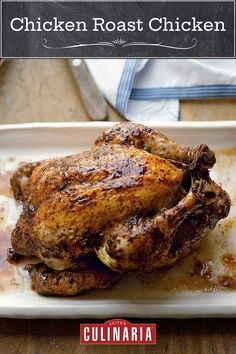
(88, 274)
(71, 200)
(144, 244)
(137, 200)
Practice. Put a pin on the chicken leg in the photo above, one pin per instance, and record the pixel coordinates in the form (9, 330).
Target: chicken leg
(142, 137)
(148, 243)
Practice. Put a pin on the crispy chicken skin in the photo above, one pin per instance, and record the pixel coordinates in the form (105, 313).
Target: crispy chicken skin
(71, 200)
(88, 274)
(145, 138)
(136, 200)
(144, 244)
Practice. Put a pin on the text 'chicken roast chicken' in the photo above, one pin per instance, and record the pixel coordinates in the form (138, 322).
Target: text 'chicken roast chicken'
(136, 202)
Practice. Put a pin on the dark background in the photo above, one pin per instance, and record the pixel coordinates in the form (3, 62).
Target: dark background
(29, 44)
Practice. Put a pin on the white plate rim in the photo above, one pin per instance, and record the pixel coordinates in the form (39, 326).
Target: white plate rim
(92, 124)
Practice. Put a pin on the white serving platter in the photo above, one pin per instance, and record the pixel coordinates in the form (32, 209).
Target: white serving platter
(178, 293)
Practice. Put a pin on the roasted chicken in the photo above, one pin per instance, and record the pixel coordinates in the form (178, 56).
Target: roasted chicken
(136, 202)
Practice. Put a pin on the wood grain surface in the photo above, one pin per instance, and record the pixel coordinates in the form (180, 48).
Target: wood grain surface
(43, 90)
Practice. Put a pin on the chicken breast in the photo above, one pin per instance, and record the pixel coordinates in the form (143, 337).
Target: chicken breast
(70, 200)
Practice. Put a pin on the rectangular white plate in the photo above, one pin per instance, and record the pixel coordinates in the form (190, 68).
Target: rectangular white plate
(184, 291)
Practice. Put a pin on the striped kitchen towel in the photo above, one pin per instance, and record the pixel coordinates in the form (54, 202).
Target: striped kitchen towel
(150, 89)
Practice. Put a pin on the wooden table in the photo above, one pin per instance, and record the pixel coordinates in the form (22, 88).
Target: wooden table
(43, 90)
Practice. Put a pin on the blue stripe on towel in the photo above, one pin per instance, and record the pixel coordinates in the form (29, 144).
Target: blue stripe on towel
(125, 85)
(207, 91)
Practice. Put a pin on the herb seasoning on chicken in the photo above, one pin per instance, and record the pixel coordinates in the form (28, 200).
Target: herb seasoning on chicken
(137, 201)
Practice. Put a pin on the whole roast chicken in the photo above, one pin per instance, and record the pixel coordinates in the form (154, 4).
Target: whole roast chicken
(136, 202)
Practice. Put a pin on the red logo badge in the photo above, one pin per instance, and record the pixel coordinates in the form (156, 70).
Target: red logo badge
(118, 331)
